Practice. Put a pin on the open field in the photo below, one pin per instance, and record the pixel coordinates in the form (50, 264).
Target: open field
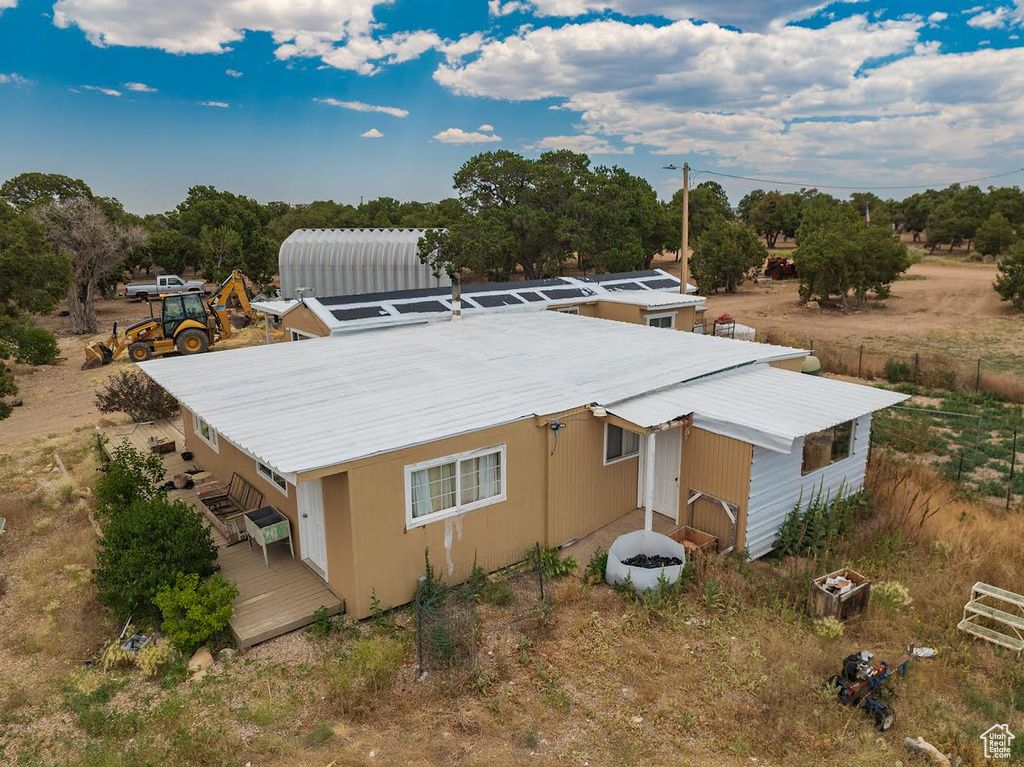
(727, 672)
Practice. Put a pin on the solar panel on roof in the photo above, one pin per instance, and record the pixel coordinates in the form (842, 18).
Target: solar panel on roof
(390, 295)
(530, 296)
(619, 276)
(360, 313)
(662, 283)
(499, 299)
(493, 287)
(625, 286)
(568, 293)
(414, 307)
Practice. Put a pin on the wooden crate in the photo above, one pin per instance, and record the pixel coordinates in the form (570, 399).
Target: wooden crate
(161, 446)
(697, 542)
(822, 603)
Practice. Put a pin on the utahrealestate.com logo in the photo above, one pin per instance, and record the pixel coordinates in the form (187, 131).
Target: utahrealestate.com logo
(997, 741)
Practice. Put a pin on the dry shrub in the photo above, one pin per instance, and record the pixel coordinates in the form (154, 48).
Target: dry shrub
(366, 673)
(18, 511)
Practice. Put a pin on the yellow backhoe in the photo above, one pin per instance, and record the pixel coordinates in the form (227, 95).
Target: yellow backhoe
(188, 323)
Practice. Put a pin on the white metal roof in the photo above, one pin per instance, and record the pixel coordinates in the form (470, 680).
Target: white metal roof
(275, 308)
(760, 405)
(323, 402)
(343, 261)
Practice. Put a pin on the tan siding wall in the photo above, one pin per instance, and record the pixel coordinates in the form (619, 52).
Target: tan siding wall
(302, 318)
(583, 493)
(619, 312)
(388, 559)
(338, 521)
(230, 460)
(794, 364)
(719, 466)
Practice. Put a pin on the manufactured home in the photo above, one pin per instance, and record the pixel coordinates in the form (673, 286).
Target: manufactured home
(650, 297)
(475, 438)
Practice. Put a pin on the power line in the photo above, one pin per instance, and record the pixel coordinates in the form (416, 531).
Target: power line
(809, 185)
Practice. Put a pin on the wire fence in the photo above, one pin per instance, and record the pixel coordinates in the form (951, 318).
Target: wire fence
(452, 611)
(921, 368)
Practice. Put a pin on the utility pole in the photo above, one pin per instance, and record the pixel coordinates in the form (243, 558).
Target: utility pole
(684, 243)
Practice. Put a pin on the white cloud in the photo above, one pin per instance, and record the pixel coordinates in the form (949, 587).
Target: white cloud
(104, 91)
(342, 33)
(372, 133)
(459, 136)
(216, 104)
(499, 8)
(5, 4)
(139, 87)
(850, 99)
(743, 14)
(583, 143)
(990, 19)
(359, 106)
(486, 128)
(13, 78)
(233, 73)
(464, 46)
(938, 17)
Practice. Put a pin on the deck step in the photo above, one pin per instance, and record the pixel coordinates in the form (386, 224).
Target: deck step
(998, 593)
(979, 608)
(994, 637)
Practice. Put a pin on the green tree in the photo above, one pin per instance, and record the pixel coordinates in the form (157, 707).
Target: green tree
(994, 236)
(773, 215)
(915, 210)
(724, 256)
(221, 251)
(195, 611)
(130, 476)
(144, 547)
(747, 204)
(943, 226)
(31, 189)
(843, 256)
(823, 210)
(708, 203)
(1009, 202)
(1010, 281)
(33, 278)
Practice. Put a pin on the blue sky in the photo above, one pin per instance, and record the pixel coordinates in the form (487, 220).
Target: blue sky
(272, 98)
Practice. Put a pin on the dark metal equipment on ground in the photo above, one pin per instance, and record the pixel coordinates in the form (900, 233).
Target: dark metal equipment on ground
(861, 684)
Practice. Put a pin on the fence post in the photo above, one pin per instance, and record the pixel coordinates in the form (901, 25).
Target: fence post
(960, 468)
(419, 634)
(1013, 467)
(540, 572)
(860, 362)
(916, 366)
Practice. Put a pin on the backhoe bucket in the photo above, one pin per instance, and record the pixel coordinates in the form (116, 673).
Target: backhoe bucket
(96, 355)
(239, 321)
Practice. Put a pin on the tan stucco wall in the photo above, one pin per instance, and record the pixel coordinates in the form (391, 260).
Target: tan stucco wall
(719, 466)
(367, 524)
(606, 310)
(584, 494)
(228, 460)
(793, 364)
(302, 318)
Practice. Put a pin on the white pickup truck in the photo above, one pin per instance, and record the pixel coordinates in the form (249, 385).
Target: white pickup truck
(165, 283)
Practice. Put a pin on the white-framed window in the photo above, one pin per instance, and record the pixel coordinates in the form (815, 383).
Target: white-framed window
(828, 446)
(272, 477)
(619, 444)
(453, 485)
(662, 320)
(568, 310)
(301, 335)
(205, 432)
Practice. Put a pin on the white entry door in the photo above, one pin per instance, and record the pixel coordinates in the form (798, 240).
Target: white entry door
(668, 447)
(312, 538)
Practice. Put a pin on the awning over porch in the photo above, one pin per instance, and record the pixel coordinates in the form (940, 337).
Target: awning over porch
(760, 405)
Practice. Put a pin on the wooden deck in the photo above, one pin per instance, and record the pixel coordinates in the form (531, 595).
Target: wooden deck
(271, 600)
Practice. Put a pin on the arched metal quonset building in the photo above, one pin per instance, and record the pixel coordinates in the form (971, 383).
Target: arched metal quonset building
(342, 262)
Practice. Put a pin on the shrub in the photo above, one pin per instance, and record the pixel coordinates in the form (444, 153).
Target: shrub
(144, 547)
(497, 591)
(154, 658)
(596, 567)
(369, 669)
(195, 611)
(817, 528)
(896, 371)
(549, 559)
(130, 476)
(36, 346)
(135, 393)
(323, 624)
(890, 595)
(829, 629)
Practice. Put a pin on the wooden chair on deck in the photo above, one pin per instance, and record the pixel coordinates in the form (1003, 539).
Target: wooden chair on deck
(229, 505)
